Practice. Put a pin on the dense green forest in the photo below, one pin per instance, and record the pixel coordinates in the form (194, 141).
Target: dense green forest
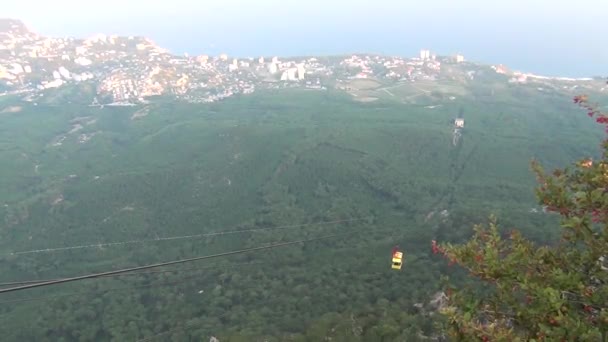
(75, 175)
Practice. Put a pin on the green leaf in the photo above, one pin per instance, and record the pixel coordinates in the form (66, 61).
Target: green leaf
(596, 195)
(572, 222)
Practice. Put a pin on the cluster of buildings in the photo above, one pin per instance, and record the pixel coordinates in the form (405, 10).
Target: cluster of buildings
(427, 66)
(130, 69)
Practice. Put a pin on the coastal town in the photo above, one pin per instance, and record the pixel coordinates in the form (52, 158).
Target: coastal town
(129, 70)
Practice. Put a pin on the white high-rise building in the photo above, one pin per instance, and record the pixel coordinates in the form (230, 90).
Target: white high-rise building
(459, 58)
(301, 71)
(272, 67)
(425, 54)
(289, 75)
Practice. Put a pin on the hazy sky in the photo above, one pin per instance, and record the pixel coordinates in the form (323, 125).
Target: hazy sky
(552, 37)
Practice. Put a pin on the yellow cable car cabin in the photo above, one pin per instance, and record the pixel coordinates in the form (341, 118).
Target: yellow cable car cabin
(397, 260)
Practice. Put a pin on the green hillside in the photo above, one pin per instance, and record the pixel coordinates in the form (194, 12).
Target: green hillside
(264, 160)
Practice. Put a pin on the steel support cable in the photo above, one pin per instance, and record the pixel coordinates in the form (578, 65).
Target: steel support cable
(84, 293)
(188, 325)
(135, 273)
(34, 281)
(181, 237)
(341, 250)
(181, 280)
(181, 261)
(100, 292)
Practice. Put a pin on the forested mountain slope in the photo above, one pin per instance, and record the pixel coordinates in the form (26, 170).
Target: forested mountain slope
(77, 176)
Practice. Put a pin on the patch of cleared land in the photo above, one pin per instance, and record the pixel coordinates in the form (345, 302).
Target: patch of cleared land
(12, 109)
(366, 99)
(364, 84)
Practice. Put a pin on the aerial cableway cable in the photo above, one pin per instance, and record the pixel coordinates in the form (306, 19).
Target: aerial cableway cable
(133, 273)
(177, 270)
(100, 292)
(181, 261)
(322, 223)
(103, 291)
(181, 280)
(189, 324)
(181, 237)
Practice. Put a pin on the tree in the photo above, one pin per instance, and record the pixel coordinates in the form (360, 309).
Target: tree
(529, 292)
